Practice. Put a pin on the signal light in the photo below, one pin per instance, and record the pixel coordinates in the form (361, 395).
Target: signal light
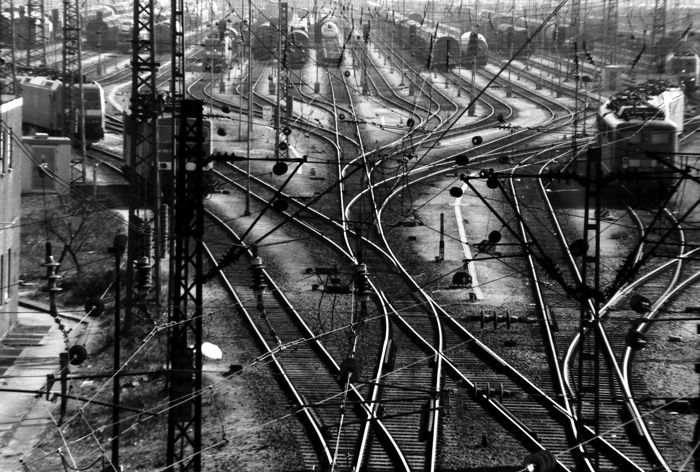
(578, 248)
(635, 339)
(640, 304)
(476, 140)
(456, 192)
(462, 160)
(542, 461)
(280, 168)
(77, 354)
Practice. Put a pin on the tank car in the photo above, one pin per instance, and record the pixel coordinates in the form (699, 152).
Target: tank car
(43, 108)
(474, 50)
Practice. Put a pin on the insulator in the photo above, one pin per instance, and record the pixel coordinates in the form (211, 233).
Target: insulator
(143, 275)
(635, 340)
(257, 267)
(362, 289)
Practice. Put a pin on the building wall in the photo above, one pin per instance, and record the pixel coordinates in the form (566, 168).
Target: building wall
(10, 195)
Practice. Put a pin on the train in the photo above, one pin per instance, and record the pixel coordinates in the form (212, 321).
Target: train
(217, 52)
(43, 109)
(638, 131)
(330, 49)
(435, 45)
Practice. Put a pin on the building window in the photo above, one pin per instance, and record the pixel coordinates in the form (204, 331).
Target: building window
(9, 154)
(9, 273)
(2, 278)
(4, 141)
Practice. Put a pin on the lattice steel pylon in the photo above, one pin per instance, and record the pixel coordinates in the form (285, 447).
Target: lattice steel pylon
(185, 412)
(611, 31)
(589, 354)
(72, 76)
(8, 75)
(142, 129)
(658, 34)
(36, 42)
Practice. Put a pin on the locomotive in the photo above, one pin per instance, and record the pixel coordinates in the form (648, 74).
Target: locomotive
(43, 109)
(330, 49)
(638, 131)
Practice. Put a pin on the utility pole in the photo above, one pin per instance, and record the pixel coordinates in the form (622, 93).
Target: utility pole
(72, 72)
